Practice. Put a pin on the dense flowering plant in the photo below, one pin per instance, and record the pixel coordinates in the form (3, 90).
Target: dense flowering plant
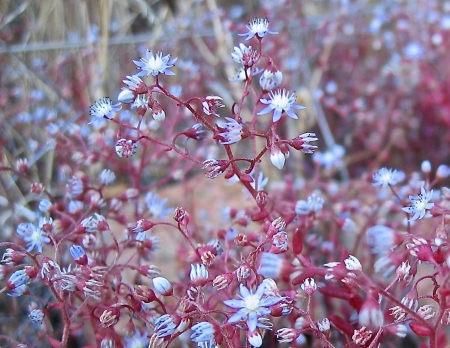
(316, 257)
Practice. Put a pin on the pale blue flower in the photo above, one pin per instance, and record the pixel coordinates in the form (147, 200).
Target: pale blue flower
(156, 206)
(258, 27)
(203, 331)
(280, 102)
(32, 235)
(251, 306)
(385, 177)
(231, 131)
(137, 340)
(420, 205)
(330, 158)
(155, 64)
(103, 109)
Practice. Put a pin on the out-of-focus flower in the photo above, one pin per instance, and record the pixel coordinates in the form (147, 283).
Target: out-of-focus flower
(314, 204)
(75, 186)
(330, 158)
(443, 171)
(137, 340)
(155, 64)
(103, 108)
(107, 176)
(280, 102)
(34, 236)
(95, 223)
(156, 206)
(243, 74)
(425, 166)
(381, 238)
(260, 183)
(36, 316)
(271, 265)
(420, 205)
(385, 177)
(258, 27)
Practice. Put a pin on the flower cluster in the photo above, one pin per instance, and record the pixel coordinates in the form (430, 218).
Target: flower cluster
(122, 241)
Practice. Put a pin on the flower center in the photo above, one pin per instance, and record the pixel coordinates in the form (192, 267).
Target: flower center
(386, 178)
(155, 63)
(280, 102)
(420, 205)
(252, 303)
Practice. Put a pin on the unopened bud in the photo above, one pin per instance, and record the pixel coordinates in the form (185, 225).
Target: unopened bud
(163, 286)
(37, 188)
(126, 96)
(22, 165)
(222, 281)
(425, 167)
(158, 113)
(109, 317)
(443, 171)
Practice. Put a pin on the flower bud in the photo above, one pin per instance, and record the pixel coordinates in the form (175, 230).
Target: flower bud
(222, 281)
(22, 165)
(126, 96)
(371, 315)
(309, 286)
(166, 324)
(443, 171)
(158, 113)
(144, 293)
(163, 286)
(125, 148)
(78, 255)
(277, 157)
(425, 167)
(37, 188)
(199, 275)
(181, 216)
(109, 317)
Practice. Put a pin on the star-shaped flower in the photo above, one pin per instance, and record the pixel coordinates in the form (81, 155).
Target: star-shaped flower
(420, 205)
(279, 102)
(251, 306)
(258, 27)
(155, 64)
